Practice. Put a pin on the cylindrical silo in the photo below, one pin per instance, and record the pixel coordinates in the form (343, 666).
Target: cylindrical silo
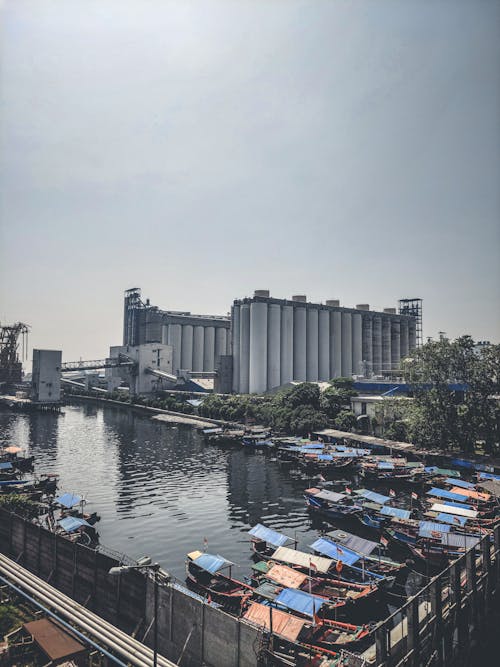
(244, 347)
(258, 347)
(273, 345)
(187, 347)
(346, 345)
(198, 335)
(220, 342)
(324, 345)
(357, 338)
(377, 344)
(395, 343)
(164, 334)
(367, 335)
(404, 338)
(299, 344)
(386, 343)
(286, 346)
(175, 340)
(312, 345)
(209, 349)
(412, 334)
(235, 346)
(335, 344)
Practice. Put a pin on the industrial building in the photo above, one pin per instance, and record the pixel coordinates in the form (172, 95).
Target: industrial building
(277, 341)
(197, 341)
(46, 376)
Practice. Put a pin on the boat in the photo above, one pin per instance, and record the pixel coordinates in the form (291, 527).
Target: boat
(78, 530)
(257, 440)
(330, 504)
(326, 462)
(395, 469)
(265, 541)
(205, 572)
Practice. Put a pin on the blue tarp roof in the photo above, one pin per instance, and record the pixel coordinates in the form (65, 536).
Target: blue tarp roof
(488, 475)
(68, 500)
(358, 544)
(450, 518)
(300, 601)
(443, 493)
(343, 455)
(313, 445)
(72, 523)
(10, 482)
(325, 457)
(330, 549)
(270, 536)
(373, 496)
(385, 465)
(460, 482)
(6, 466)
(426, 528)
(462, 506)
(395, 511)
(211, 563)
(355, 451)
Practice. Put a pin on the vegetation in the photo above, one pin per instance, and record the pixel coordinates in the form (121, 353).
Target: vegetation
(21, 506)
(10, 619)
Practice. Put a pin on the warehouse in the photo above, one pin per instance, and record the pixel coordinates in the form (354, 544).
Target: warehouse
(277, 341)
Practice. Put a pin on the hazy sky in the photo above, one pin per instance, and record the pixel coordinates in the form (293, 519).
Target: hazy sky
(201, 150)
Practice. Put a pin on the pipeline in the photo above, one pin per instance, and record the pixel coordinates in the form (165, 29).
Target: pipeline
(133, 650)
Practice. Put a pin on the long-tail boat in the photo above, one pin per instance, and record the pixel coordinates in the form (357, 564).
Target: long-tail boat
(205, 572)
(265, 540)
(330, 504)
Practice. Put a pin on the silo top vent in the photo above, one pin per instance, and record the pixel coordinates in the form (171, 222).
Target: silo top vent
(299, 297)
(335, 303)
(261, 292)
(363, 306)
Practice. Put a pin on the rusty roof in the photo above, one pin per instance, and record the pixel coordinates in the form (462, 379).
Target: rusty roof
(285, 576)
(55, 642)
(284, 624)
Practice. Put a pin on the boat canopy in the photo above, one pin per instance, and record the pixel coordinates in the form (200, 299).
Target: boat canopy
(324, 457)
(353, 451)
(11, 482)
(7, 465)
(426, 528)
(302, 559)
(460, 482)
(472, 493)
(283, 624)
(332, 496)
(358, 544)
(459, 511)
(68, 500)
(286, 576)
(442, 471)
(448, 518)
(460, 540)
(333, 551)
(443, 493)
(395, 511)
(72, 523)
(488, 475)
(12, 449)
(270, 536)
(373, 496)
(385, 465)
(209, 562)
(451, 503)
(313, 445)
(300, 601)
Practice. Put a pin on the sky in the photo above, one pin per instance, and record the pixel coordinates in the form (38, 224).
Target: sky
(202, 150)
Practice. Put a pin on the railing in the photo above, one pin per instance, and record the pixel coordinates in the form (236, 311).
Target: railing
(437, 624)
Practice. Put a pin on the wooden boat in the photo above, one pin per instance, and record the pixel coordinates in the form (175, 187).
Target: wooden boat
(204, 572)
(256, 441)
(330, 504)
(265, 541)
(326, 462)
(78, 530)
(396, 469)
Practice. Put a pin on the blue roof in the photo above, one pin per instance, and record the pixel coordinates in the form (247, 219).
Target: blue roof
(300, 601)
(325, 457)
(385, 465)
(269, 536)
(11, 482)
(460, 482)
(488, 475)
(451, 518)
(72, 523)
(6, 466)
(313, 445)
(68, 500)
(426, 528)
(343, 455)
(211, 563)
(462, 506)
(332, 550)
(442, 493)
(395, 511)
(373, 496)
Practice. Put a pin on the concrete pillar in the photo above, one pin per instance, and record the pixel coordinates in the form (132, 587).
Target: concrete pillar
(386, 343)
(367, 342)
(187, 347)
(235, 346)
(335, 344)
(395, 343)
(299, 344)
(209, 349)
(220, 341)
(312, 345)
(377, 344)
(244, 347)
(346, 345)
(273, 345)
(258, 347)
(164, 334)
(412, 334)
(356, 343)
(175, 340)
(198, 335)
(324, 345)
(404, 338)
(286, 346)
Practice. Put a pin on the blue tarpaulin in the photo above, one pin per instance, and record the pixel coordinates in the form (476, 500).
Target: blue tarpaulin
(395, 511)
(371, 495)
(443, 493)
(300, 601)
(313, 445)
(269, 536)
(460, 482)
(211, 563)
(72, 523)
(385, 465)
(426, 528)
(6, 466)
(449, 518)
(325, 457)
(460, 505)
(68, 500)
(488, 475)
(332, 550)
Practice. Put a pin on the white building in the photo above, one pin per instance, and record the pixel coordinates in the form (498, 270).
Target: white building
(46, 376)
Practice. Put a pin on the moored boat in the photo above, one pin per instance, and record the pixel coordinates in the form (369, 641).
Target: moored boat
(206, 572)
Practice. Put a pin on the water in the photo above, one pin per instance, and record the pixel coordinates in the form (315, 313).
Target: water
(160, 490)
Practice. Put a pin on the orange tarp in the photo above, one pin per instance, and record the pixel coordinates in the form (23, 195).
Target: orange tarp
(285, 576)
(476, 495)
(284, 624)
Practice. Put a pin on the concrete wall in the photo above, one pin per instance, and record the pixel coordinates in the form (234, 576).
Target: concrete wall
(46, 376)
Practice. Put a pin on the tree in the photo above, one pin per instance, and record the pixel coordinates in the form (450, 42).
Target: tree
(345, 421)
